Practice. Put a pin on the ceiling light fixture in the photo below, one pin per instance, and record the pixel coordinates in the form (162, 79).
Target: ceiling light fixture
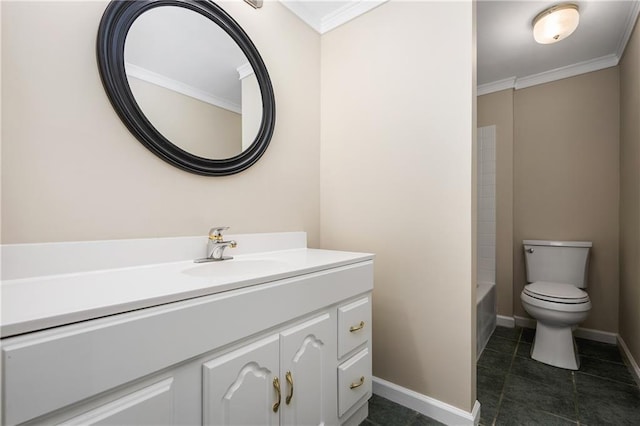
(556, 23)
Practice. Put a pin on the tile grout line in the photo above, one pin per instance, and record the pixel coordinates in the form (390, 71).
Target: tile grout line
(575, 396)
(504, 385)
(608, 379)
(608, 361)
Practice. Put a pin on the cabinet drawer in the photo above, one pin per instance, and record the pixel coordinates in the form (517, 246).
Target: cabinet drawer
(354, 325)
(354, 380)
(152, 405)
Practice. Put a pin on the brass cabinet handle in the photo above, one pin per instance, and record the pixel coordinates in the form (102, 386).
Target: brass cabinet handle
(276, 384)
(289, 378)
(357, 385)
(357, 327)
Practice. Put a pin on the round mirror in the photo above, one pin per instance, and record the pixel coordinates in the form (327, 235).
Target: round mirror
(187, 82)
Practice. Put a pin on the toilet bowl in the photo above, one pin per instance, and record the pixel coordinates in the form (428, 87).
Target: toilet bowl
(558, 309)
(557, 273)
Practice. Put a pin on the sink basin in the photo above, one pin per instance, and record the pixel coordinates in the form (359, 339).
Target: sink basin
(236, 267)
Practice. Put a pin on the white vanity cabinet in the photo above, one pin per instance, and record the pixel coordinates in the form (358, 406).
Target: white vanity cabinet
(219, 359)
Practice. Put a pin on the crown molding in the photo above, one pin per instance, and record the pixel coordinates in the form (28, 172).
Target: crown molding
(596, 64)
(496, 86)
(298, 9)
(347, 12)
(631, 21)
(180, 87)
(323, 24)
(568, 71)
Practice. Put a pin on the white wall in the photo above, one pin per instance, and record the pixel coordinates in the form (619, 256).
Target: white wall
(397, 179)
(72, 171)
(251, 110)
(629, 308)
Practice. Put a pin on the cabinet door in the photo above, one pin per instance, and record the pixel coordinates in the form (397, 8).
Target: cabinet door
(239, 387)
(306, 353)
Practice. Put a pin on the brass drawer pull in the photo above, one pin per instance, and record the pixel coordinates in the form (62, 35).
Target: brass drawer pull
(357, 385)
(289, 378)
(357, 327)
(276, 384)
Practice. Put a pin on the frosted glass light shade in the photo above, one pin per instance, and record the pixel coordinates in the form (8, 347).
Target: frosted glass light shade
(556, 23)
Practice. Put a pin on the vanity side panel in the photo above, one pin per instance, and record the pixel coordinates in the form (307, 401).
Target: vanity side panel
(95, 356)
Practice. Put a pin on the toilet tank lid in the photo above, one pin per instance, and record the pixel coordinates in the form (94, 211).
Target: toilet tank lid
(557, 243)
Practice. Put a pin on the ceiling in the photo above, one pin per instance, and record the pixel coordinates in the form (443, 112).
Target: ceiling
(508, 57)
(178, 49)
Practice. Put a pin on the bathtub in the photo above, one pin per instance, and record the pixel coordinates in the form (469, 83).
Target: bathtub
(486, 314)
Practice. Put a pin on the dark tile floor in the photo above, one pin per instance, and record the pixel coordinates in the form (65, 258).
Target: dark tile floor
(513, 389)
(383, 412)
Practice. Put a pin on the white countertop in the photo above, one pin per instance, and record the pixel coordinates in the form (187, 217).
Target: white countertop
(36, 303)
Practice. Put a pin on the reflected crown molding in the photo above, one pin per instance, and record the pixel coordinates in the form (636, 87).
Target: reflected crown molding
(177, 86)
(244, 71)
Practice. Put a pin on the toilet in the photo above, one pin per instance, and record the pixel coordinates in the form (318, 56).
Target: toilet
(557, 275)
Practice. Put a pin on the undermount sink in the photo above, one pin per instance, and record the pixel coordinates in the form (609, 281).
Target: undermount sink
(236, 267)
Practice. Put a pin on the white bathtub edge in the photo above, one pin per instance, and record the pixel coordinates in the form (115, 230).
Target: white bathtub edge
(483, 289)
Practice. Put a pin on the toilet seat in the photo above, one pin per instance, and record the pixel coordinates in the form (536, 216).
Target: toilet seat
(556, 293)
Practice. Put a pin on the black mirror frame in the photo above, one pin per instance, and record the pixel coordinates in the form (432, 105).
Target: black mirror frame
(114, 26)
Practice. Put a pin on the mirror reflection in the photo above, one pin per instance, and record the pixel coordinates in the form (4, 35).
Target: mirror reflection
(193, 82)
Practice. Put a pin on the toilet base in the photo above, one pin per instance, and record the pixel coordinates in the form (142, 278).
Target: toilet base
(555, 346)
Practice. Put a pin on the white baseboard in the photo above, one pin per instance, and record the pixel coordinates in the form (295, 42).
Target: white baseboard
(431, 407)
(583, 333)
(504, 321)
(596, 335)
(635, 369)
(524, 322)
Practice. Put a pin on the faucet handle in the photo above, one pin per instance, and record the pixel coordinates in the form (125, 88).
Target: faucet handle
(215, 233)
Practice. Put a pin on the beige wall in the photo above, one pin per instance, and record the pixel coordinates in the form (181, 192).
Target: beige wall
(566, 179)
(397, 126)
(251, 110)
(497, 109)
(198, 127)
(630, 195)
(72, 171)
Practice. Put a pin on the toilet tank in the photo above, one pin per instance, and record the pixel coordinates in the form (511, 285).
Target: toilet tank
(557, 261)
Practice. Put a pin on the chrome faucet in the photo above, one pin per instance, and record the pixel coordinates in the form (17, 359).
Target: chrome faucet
(217, 245)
